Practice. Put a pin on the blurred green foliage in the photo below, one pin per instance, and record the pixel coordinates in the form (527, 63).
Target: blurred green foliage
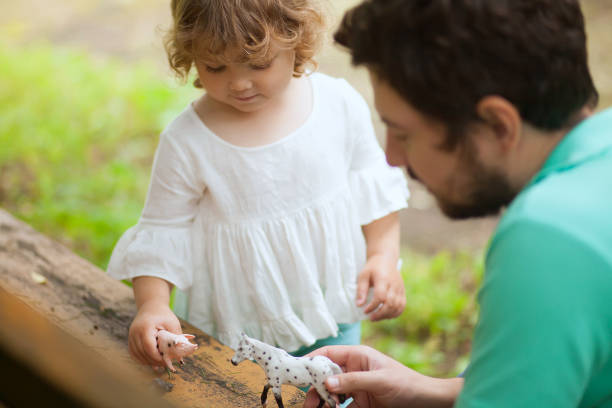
(77, 137)
(433, 335)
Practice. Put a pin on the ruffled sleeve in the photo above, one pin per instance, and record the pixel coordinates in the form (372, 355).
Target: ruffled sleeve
(377, 188)
(160, 244)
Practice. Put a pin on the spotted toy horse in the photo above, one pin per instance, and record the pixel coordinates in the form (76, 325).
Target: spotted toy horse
(282, 368)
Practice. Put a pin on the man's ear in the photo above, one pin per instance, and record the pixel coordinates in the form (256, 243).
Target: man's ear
(503, 119)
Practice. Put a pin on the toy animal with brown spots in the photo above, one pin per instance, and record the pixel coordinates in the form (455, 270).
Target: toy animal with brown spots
(282, 368)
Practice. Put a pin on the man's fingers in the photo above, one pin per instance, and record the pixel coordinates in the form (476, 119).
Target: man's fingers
(312, 398)
(338, 354)
(348, 383)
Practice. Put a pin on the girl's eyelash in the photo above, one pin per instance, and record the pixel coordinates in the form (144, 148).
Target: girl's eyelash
(261, 67)
(215, 69)
(252, 66)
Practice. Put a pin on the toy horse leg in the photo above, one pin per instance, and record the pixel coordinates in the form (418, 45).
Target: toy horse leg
(276, 390)
(324, 395)
(264, 394)
(279, 400)
(331, 403)
(341, 397)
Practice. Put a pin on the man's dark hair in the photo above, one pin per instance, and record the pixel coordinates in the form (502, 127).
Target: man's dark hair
(443, 56)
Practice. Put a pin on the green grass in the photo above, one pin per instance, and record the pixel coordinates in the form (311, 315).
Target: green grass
(77, 137)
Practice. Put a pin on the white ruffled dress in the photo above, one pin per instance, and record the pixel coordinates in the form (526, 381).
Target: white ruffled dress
(266, 240)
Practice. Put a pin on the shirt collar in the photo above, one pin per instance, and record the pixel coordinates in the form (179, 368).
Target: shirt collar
(590, 138)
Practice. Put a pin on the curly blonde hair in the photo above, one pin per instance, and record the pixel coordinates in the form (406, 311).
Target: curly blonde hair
(209, 30)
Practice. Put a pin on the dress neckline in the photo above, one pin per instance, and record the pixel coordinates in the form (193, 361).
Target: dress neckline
(299, 129)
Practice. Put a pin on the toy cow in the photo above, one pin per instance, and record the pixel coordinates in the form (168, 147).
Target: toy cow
(283, 368)
(174, 347)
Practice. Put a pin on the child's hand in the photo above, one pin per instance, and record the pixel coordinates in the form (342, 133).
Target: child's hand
(151, 317)
(389, 296)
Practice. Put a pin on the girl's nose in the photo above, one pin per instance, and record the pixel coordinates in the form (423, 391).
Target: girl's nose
(240, 84)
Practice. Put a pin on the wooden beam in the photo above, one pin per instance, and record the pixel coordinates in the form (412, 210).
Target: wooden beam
(84, 302)
(45, 366)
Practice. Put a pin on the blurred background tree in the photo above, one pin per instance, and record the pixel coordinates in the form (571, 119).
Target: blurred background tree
(84, 93)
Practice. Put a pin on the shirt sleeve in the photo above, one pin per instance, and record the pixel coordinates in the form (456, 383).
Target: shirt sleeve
(160, 244)
(544, 321)
(378, 188)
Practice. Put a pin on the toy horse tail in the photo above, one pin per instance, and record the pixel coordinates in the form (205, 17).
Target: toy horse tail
(337, 370)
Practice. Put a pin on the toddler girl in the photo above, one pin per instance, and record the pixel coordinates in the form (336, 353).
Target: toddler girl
(270, 202)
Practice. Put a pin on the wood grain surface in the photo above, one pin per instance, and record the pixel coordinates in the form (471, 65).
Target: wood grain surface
(96, 310)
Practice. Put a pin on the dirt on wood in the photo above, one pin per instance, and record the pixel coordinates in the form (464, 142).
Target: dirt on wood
(97, 310)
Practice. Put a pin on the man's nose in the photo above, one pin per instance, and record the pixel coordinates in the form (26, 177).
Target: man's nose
(396, 156)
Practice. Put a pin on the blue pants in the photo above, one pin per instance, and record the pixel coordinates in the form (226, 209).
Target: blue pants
(348, 335)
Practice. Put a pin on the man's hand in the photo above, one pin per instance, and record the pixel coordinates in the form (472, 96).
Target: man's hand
(374, 380)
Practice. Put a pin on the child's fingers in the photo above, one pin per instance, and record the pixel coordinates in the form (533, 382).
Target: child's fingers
(363, 284)
(146, 359)
(375, 304)
(401, 300)
(393, 307)
(385, 306)
(133, 351)
(387, 311)
(393, 299)
(379, 296)
(136, 351)
(170, 324)
(144, 349)
(150, 348)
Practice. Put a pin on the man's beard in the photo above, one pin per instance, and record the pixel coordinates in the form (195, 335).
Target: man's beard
(490, 192)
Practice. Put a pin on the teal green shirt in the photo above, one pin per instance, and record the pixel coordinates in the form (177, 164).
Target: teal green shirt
(544, 336)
